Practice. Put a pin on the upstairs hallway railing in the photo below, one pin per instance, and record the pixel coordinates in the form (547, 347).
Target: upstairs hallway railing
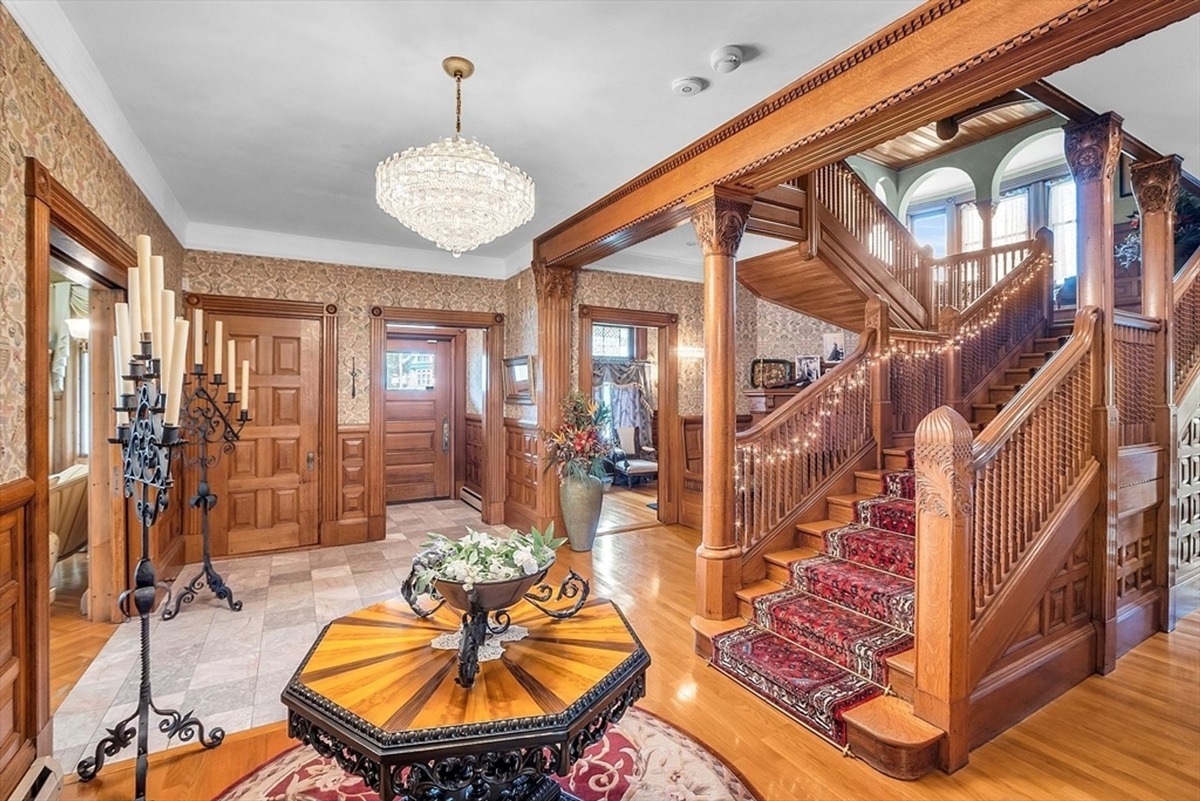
(1185, 341)
(961, 278)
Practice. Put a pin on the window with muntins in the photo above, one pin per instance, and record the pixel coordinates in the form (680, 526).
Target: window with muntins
(612, 341)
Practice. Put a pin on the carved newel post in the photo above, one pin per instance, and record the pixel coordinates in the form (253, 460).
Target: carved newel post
(720, 219)
(1156, 186)
(877, 318)
(945, 509)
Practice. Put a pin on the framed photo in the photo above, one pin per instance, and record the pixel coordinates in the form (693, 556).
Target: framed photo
(833, 347)
(808, 369)
(518, 380)
(770, 373)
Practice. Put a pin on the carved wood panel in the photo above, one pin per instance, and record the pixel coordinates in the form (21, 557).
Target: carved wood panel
(352, 471)
(1064, 605)
(522, 473)
(1187, 553)
(475, 458)
(16, 679)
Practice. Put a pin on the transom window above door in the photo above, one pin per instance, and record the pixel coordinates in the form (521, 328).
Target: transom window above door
(407, 370)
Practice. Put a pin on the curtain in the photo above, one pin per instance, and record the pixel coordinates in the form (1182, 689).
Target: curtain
(630, 391)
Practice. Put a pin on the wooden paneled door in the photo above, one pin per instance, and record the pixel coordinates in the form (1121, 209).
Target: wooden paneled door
(420, 421)
(268, 487)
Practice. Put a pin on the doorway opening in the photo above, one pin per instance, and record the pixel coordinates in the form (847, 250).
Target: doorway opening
(627, 361)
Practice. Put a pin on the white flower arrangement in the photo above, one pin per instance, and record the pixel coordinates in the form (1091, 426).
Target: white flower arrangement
(480, 557)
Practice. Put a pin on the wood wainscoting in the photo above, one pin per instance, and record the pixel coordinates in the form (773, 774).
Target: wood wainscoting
(353, 522)
(20, 693)
(691, 470)
(1140, 585)
(522, 473)
(475, 450)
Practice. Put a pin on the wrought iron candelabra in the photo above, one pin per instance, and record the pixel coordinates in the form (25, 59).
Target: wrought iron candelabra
(146, 447)
(207, 420)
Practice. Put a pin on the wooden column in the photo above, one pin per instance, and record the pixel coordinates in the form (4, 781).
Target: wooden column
(1093, 148)
(1156, 186)
(878, 317)
(720, 219)
(555, 296)
(986, 209)
(945, 510)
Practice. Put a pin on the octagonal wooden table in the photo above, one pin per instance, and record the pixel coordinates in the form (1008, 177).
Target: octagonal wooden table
(374, 695)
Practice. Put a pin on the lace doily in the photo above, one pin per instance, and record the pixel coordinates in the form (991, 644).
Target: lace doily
(491, 648)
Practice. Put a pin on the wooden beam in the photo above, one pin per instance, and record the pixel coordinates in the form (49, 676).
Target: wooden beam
(945, 56)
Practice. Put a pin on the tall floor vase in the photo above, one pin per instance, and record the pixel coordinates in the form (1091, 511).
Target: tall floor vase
(581, 499)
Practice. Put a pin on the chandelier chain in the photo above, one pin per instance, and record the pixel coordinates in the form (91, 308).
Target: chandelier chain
(458, 103)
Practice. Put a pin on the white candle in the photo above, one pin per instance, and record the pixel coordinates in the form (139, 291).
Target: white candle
(198, 334)
(232, 368)
(147, 315)
(167, 324)
(218, 347)
(143, 252)
(179, 337)
(124, 343)
(133, 299)
(245, 384)
(160, 323)
(122, 417)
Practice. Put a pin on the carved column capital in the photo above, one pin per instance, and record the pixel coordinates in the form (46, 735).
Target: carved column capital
(553, 281)
(1093, 147)
(1156, 184)
(720, 218)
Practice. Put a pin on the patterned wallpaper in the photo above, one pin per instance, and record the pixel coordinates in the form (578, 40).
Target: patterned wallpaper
(354, 289)
(520, 334)
(784, 334)
(475, 377)
(38, 118)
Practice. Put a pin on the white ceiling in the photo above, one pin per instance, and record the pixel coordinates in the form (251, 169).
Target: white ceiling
(256, 126)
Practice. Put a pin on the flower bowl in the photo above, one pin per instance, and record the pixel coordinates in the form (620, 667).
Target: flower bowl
(492, 595)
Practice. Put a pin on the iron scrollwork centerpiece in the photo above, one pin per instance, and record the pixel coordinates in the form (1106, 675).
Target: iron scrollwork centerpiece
(147, 447)
(484, 605)
(207, 419)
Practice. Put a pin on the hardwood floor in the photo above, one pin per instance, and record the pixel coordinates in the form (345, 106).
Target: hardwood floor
(625, 508)
(1132, 734)
(74, 641)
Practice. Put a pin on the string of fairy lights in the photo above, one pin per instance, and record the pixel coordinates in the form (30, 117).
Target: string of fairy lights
(751, 455)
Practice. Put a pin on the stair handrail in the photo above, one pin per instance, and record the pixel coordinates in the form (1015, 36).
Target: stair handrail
(837, 187)
(987, 511)
(1185, 320)
(1003, 318)
(781, 462)
(960, 278)
(1070, 380)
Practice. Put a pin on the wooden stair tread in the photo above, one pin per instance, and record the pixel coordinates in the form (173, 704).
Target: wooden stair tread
(818, 527)
(785, 558)
(905, 661)
(891, 720)
(848, 499)
(755, 589)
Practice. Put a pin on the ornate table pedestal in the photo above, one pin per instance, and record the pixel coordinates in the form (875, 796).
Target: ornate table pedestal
(373, 695)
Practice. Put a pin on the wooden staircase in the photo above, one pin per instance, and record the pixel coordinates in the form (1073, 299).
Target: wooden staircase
(1016, 376)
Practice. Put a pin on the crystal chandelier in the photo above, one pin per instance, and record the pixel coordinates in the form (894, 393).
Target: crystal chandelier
(454, 192)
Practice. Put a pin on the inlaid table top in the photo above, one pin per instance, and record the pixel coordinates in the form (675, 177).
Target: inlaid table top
(373, 686)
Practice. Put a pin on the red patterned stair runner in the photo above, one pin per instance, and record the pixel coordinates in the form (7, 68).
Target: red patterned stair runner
(819, 646)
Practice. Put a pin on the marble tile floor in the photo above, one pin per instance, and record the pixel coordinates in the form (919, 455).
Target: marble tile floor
(230, 667)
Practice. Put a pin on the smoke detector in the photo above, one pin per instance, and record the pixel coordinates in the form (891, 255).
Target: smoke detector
(686, 87)
(726, 59)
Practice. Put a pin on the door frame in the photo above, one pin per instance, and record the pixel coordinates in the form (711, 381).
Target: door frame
(49, 205)
(492, 324)
(327, 411)
(670, 472)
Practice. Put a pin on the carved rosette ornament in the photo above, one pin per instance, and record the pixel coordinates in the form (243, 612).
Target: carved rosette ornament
(553, 281)
(720, 220)
(942, 461)
(1093, 147)
(1156, 184)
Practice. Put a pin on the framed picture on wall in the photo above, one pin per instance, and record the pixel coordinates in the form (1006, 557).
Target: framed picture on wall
(518, 380)
(808, 369)
(833, 347)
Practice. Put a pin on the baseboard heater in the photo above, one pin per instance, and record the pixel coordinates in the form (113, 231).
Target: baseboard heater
(471, 498)
(42, 782)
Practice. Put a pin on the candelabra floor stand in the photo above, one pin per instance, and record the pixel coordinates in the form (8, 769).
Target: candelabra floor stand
(146, 445)
(204, 499)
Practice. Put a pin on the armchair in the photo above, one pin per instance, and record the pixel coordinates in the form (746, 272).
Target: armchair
(633, 460)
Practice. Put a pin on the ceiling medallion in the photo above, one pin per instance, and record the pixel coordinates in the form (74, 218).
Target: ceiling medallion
(454, 192)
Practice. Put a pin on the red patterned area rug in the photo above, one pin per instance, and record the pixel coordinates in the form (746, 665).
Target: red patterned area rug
(640, 757)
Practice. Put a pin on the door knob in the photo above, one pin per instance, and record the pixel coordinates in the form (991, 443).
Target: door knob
(445, 435)
(312, 461)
